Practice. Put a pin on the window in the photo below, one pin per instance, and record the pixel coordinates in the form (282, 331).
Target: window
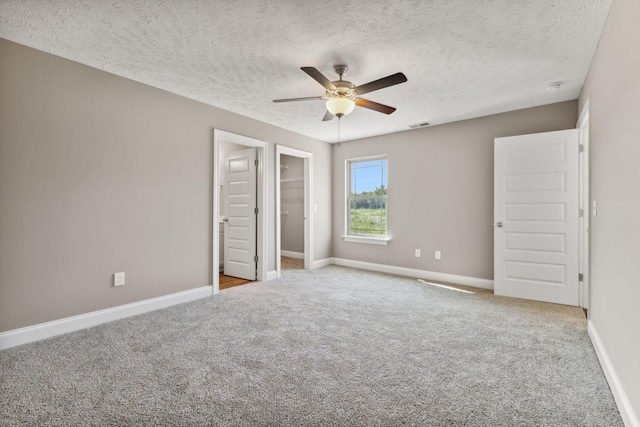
(367, 199)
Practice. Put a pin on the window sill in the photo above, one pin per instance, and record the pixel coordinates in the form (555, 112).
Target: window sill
(367, 239)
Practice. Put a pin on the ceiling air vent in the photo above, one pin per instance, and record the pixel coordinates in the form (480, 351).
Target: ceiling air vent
(419, 125)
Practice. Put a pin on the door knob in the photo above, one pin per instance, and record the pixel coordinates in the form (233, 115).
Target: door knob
(498, 224)
(225, 220)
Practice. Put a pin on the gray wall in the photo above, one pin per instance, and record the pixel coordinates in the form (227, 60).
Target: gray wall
(440, 190)
(292, 201)
(100, 174)
(613, 90)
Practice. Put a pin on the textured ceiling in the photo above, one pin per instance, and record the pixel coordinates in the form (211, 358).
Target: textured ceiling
(462, 58)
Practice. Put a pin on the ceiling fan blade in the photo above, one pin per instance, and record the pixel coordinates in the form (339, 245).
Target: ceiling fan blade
(360, 102)
(308, 98)
(391, 80)
(319, 77)
(327, 116)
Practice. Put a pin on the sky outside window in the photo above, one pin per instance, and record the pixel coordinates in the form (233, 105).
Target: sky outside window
(368, 175)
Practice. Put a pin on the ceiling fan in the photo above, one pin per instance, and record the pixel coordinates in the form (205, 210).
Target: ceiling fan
(342, 96)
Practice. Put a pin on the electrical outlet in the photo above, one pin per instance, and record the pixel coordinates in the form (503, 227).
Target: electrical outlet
(118, 279)
(438, 255)
(418, 254)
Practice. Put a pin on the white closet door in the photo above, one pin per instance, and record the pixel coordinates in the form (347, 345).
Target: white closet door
(240, 229)
(536, 217)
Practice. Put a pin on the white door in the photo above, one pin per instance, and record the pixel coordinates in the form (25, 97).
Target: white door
(536, 217)
(240, 228)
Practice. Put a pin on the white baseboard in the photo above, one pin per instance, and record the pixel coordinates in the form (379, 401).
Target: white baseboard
(624, 406)
(87, 320)
(420, 274)
(271, 275)
(291, 254)
(321, 263)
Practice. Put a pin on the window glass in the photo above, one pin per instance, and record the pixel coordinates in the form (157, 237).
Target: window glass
(367, 199)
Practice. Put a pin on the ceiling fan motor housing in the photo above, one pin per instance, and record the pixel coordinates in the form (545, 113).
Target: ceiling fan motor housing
(344, 89)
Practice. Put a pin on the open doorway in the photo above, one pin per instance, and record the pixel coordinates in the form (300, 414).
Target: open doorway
(239, 189)
(294, 209)
(291, 212)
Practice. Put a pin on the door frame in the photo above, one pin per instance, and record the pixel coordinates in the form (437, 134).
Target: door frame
(309, 207)
(262, 253)
(584, 205)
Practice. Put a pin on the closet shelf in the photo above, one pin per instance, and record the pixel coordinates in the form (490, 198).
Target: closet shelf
(292, 179)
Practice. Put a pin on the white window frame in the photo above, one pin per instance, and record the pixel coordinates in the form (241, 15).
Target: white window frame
(363, 238)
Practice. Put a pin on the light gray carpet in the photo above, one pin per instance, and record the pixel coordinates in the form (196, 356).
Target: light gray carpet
(334, 346)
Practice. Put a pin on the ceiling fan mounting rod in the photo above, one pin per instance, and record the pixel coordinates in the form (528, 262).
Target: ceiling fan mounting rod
(342, 88)
(340, 70)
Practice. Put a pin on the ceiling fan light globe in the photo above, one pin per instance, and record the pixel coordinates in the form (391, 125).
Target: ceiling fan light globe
(340, 106)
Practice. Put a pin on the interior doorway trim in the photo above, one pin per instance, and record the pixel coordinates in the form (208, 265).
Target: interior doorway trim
(219, 136)
(308, 204)
(584, 203)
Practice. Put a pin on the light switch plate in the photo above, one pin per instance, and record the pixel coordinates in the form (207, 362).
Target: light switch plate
(118, 279)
